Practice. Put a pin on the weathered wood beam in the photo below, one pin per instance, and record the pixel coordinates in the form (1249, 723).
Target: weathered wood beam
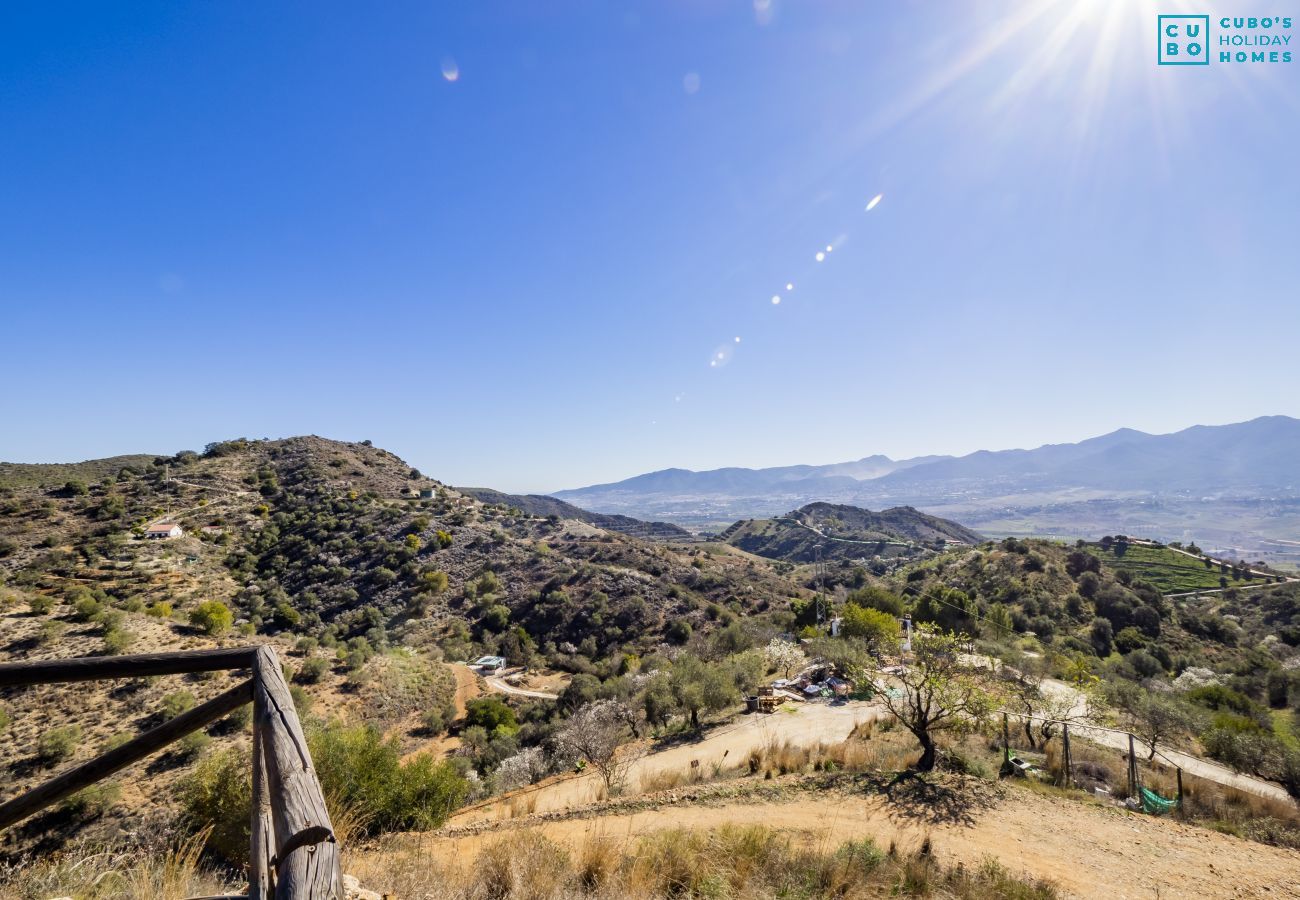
(260, 885)
(306, 850)
(106, 764)
(90, 668)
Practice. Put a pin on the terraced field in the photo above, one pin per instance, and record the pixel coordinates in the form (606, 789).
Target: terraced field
(1170, 571)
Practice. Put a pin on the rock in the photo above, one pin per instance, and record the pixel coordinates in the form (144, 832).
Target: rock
(353, 890)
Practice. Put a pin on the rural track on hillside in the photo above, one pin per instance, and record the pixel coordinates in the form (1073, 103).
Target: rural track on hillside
(500, 685)
(822, 534)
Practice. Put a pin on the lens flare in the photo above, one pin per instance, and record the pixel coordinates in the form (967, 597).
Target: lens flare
(871, 204)
(450, 71)
(691, 82)
(789, 285)
(776, 300)
(820, 256)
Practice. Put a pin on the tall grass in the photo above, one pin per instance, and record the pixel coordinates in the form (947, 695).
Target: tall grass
(117, 872)
(738, 861)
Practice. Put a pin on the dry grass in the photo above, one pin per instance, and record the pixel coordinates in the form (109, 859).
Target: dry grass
(119, 872)
(751, 862)
(863, 751)
(1265, 819)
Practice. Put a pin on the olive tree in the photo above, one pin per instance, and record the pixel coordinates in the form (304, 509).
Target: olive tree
(936, 688)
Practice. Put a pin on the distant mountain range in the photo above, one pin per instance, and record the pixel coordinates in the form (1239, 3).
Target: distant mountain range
(1233, 486)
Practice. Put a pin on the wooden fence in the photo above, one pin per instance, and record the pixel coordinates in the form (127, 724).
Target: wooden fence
(294, 853)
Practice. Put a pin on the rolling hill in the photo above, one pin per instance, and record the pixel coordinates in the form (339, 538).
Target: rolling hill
(543, 506)
(835, 532)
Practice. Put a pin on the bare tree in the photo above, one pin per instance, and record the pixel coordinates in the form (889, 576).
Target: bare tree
(1044, 707)
(596, 733)
(937, 688)
(1152, 717)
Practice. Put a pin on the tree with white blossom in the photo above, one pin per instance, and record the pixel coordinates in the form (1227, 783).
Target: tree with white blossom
(784, 656)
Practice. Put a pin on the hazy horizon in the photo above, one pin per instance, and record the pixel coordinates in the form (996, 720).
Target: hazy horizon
(524, 488)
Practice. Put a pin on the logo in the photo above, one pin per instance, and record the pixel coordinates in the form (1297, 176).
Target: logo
(1183, 40)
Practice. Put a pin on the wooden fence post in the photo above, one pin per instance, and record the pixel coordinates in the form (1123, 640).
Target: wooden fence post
(306, 858)
(1065, 753)
(259, 861)
(1132, 768)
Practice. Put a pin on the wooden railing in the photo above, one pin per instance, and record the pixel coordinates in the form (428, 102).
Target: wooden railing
(294, 853)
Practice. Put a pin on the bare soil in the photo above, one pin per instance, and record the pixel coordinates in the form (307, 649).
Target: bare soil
(1087, 849)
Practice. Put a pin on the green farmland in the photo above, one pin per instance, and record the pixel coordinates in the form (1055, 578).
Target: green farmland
(1167, 569)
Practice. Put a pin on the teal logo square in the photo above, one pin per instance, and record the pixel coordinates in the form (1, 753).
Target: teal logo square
(1183, 40)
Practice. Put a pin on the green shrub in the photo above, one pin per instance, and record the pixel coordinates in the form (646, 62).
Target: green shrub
(93, 801)
(218, 795)
(40, 604)
(50, 632)
(490, 713)
(4, 719)
(176, 703)
(212, 617)
(117, 740)
(497, 618)
(194, 743)
(57, 744)
(313, 670)
(364, 772)
(86, 608)
(302, 701)
(117, 640)
(434, 721)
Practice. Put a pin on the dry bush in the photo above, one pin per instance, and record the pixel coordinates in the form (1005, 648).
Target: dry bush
(524, 866)
(523, 804)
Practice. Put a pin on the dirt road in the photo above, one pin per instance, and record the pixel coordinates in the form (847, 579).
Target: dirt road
(1089, 850)
(728, 746)
(1202, 768)
(501, 686)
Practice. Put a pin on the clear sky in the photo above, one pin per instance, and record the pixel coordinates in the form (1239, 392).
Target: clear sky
(507, 240)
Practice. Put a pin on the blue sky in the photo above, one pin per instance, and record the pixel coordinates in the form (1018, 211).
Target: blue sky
(273, 219)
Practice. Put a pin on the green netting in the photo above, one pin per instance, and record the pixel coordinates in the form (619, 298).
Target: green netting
(1154, 804)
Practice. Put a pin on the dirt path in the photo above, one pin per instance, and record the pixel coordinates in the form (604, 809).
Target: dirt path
(1087, 849)
(500, 685)
(467, 687)
(727, 746)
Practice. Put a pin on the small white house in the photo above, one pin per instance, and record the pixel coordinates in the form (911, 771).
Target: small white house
(161, 531)
(490, 664)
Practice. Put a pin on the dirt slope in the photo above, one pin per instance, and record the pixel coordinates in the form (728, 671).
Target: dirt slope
(1087, 849)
